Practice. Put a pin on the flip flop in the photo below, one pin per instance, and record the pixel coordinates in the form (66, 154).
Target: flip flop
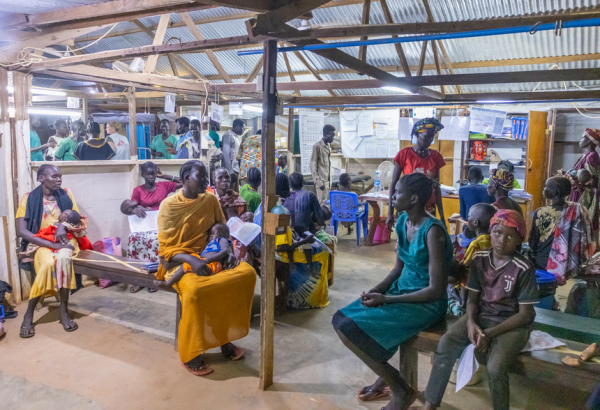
(203, 370)
(72, 326)
(379, 394)
(29, 332)
(238, 354)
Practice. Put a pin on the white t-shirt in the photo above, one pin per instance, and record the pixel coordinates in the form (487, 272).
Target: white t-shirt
(50, 152)
(121, 146)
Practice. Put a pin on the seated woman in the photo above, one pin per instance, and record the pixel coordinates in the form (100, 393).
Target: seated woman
(560, 239)
(37, 210)
(411, 298)
(94, 148)
(249, 192)
(216, 310)
(147, 197)
(501, 182)
(231, 202)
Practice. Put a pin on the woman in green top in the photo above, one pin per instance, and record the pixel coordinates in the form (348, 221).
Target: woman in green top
(162, 141)
(411, 298)
(68, 145)
(249, 191)
(37, 149)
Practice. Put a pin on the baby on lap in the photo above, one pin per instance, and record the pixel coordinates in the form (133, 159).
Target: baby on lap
(214, 256)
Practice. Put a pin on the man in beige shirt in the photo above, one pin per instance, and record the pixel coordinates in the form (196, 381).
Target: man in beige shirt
(320, 164)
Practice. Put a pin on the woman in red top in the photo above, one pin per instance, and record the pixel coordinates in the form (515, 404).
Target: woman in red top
(420, 158)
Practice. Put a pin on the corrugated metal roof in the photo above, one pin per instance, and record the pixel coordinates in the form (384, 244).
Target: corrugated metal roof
(541, 44)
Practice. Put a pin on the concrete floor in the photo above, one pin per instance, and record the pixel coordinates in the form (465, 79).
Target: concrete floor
(122, 357)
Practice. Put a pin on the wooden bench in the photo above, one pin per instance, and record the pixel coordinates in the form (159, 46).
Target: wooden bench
(543, 365)
(114, 268)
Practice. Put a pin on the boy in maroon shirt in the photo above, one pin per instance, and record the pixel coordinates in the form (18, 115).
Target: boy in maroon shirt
(502, 293)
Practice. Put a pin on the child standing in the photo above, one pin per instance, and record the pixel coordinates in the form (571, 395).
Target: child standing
(214, 256)
(502, 293)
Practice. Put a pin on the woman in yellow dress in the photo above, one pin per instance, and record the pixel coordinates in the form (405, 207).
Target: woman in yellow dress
(39, 209)
(216, 310)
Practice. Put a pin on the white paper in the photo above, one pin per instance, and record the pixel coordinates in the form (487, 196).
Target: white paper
(353, 140)
(393, 148)
(382, 151)
(236, 108)
(216, 112)
(405, 126)
(373, 195)
(244, 231)
(381, 130)
(467, 366)
(311, 131)
(455, 128)
(169, 102)
(72, 102)
(541, 341)
(370, 150)
(365, 124)
(487, 121)
(149, 223)
(348, 126)
(424, 112)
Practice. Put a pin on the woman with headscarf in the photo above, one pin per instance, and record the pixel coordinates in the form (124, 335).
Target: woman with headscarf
(589, 160)
(500, 183)
(507, 166)
(420, 158)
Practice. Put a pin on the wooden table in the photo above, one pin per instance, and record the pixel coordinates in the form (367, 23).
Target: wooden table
(374, 204)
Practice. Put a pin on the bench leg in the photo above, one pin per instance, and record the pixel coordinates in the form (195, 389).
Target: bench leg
(177, 320)
(409, 368)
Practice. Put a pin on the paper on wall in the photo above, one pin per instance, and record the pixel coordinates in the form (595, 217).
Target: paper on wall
(382, 151)
(381, 130)
(353, 140)
(216, 112)
(370, 150)
(311, 131)
(487, 121)
(455, 128)
(393, 148)
(405, 126)
(170, 102)
(467, 366)
(365, 124)
(348, 125)
(149, 223)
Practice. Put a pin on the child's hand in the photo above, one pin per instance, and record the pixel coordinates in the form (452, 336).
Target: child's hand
(372, 299)
(483, 342)
(232, 262)
(474, 332)
(204, 271)
(159, 172)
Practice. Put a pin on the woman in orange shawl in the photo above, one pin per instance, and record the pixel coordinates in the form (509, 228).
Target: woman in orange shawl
(215, 309)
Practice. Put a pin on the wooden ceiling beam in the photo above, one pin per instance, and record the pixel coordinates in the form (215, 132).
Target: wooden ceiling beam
(399, 50)
(159, 38)
(288, 10)
(577, 74)
(362, 51)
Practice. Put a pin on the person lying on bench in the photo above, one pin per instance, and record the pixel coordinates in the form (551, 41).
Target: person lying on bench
(502, 292)
(214, 256)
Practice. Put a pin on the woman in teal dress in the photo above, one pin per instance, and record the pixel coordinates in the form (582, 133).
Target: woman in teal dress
(410, 299)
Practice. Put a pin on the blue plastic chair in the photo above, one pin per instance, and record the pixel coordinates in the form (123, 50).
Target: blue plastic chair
(345, 208)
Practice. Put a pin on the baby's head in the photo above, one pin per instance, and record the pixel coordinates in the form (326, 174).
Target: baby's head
(480, 216)
(219, 230)
(128, 206)
(247, 217)
(69, 216)
(584, 176)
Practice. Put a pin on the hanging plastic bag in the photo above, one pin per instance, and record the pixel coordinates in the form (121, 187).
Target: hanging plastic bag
(137, 65)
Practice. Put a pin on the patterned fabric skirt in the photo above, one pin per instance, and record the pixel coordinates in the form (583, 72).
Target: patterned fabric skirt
(143, 246)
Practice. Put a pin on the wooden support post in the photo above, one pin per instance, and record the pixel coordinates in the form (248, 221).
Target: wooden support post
(409, 364)
(422, 59)
(132, 124)
(436, 60)
(291, 159)
(159, 37)
(86, 111)
(362, 51)
(267, 300)
(12, 274)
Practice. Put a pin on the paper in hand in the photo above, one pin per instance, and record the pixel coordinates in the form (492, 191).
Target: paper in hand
(467, 366)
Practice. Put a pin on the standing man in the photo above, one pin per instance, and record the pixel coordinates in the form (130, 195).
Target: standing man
(229, 146)
(320, 164)
(37, 149)
(183, 130)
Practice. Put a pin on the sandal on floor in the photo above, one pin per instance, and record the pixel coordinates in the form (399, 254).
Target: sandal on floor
(203, 370)
(135, 289)
(71, 326)
(26, 333)
(378, 394)
(238, 354)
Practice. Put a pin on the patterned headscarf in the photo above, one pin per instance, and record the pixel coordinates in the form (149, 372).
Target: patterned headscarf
(426, 123)
(505, 179)
(510, 218)
(593, 135)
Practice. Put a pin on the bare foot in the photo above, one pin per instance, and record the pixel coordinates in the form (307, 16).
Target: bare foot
(162, 284)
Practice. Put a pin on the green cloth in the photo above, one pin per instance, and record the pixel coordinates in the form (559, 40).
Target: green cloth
(65, 150)
(34, 143)
(391, 324)
(215, 137)
(515, 184)
(251, 197)
(158, 145)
